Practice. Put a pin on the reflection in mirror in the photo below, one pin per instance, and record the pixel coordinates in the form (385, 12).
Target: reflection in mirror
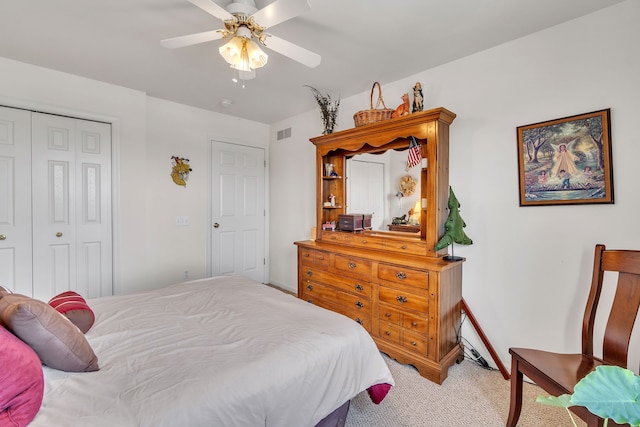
(378, 184)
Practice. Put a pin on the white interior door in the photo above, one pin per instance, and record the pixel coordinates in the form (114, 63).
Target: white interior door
(365, 191)
(71, 199)
(15, 200)
(238, 210)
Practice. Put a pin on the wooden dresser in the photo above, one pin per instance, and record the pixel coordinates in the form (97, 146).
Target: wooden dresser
(394, 284)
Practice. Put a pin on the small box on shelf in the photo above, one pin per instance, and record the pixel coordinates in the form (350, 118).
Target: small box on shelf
(354, 222)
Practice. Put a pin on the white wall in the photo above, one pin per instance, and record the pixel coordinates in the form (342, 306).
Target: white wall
(527, 272)
(150, 251)
(180, 130)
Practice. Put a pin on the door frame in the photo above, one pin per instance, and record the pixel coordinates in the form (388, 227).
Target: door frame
(209, 264)
(115, 168)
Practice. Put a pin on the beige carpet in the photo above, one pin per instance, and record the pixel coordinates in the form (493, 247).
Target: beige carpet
(470, 396)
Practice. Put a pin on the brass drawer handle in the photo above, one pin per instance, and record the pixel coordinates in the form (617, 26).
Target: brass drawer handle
(358, 320)
(321, 258)
(359, 304)
(352, 265)
(414, 324)
(387, 332)
(310, 287)
(403, 247)
(359, 287)
(401, 299)
(400, 275)
(309, 273)
(307, 255)
(413, 343)
(387, 315)
(2, 237)
(364, 242)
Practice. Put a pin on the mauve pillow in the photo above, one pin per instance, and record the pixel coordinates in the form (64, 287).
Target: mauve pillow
(58, 342)
(75, 308)
(21, 379)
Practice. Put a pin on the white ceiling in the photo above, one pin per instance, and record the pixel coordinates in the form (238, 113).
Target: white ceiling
(360, 41)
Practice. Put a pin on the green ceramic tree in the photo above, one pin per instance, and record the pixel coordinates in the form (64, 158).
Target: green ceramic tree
(454, 228)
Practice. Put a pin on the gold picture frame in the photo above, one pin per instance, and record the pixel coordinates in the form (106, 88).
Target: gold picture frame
(566, 161)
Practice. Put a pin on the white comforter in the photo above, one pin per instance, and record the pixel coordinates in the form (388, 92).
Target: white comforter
(224, 351)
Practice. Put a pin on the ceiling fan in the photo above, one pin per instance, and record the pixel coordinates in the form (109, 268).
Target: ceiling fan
(245, 27)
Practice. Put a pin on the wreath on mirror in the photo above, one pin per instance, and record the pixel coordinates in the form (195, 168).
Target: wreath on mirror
(408, 185)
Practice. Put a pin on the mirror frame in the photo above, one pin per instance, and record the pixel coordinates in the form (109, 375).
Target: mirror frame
(431, 129)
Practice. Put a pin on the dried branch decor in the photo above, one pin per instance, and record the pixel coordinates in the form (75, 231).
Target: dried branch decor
(328, 109)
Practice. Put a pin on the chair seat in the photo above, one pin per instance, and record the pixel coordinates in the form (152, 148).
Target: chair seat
(554, 372)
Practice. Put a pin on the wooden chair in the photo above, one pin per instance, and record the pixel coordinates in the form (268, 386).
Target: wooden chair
(558, 373)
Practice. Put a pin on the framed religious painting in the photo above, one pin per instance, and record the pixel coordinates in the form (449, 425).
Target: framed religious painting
(566, 161)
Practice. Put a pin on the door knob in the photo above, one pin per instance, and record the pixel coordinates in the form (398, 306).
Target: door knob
(3, 237)
(216, 225)
(58, 234)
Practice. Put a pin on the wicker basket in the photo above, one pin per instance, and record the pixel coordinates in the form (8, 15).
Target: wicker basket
(373, 115)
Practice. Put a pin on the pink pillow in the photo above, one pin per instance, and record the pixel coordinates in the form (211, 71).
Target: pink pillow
(22, 381)
(75, 308)
(57, 341)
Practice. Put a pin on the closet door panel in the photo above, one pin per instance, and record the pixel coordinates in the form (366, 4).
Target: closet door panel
(54, 201)
(15, 200)
(93, 209)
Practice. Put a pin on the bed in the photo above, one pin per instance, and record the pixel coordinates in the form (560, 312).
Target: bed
(223, 351)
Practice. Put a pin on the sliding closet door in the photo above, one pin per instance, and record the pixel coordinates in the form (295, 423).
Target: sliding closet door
(15, 199)
(71, 199)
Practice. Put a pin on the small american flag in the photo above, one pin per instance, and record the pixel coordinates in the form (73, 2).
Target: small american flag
(415, 153)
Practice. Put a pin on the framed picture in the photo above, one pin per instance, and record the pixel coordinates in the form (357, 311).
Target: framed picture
(566, 161)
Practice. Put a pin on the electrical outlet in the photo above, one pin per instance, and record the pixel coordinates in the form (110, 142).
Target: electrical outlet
(186, 274)
(182, 221)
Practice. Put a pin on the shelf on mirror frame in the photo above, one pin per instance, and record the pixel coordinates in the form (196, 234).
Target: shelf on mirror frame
(331, 177)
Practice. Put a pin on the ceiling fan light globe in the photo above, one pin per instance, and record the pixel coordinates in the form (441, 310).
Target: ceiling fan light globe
(232, 50)
(243, 54)
(257, 58)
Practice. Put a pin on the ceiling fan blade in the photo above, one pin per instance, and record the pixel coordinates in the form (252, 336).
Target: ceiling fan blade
(213, 8)
(191, 39)
(293, 51)
(280, 11)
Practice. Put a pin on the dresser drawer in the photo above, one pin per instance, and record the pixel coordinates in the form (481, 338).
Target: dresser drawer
(350, 302)
(409, 321)
(404, 275)
(415, 323)
(413, 248)
(389, 332)
(312, 256)
(363, 317)
(391, 315)
(414, 342)
(403, 300)
(353, 239)
(353, 265)
(315, 294)
(346, 283)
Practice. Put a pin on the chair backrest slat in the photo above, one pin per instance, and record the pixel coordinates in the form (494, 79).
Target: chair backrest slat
(621, 260)
(622, 317)
(591, 307)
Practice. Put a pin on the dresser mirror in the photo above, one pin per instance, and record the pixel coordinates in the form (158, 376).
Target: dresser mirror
(380, 185)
